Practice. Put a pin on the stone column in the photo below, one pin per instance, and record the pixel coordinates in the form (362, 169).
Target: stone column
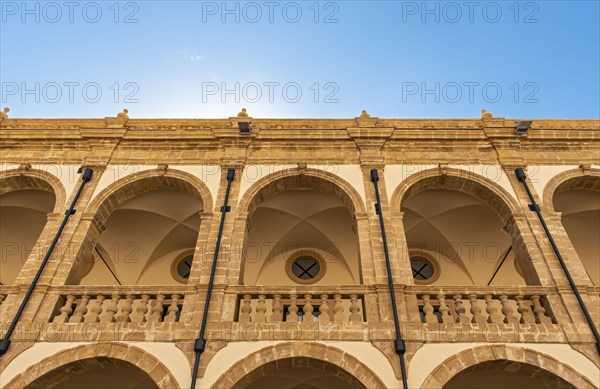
(226, 250)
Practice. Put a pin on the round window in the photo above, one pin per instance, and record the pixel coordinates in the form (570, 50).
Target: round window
(306, 268)
(183, 266)
(422, 269)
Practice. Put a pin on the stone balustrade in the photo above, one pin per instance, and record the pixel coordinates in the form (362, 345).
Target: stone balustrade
(481, 307)
(119, 307)
(298, 307)
(304, 305)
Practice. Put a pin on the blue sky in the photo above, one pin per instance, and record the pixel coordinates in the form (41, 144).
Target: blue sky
(401, 59)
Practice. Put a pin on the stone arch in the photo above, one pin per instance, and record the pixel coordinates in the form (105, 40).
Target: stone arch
(82, 355)
(495, 199)
(280, 180)
(135, 184)
(570, 179)
(471, 183)
(34, 179)
(278, 183)
(109, 199)
(455, 364)
(242, 371)
(577, 219)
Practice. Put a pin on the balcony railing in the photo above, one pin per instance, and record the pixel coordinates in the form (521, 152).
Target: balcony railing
(305, 305)
(120, 305)
(481, 306)
(355, 307)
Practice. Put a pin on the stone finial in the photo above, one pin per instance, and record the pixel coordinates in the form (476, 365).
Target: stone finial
(4, 113)
(243, 113)
(124, 114)
(366, 120)
(486, 114)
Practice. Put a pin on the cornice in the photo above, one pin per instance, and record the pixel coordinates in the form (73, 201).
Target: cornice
(390, 134)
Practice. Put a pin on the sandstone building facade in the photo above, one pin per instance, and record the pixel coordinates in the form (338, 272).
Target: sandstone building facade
(300, 295)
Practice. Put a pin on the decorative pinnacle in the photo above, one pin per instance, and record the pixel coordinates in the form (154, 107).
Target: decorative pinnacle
(4, 112)
(123, 114)
(243, 114)
(364, 114)
(486, 114)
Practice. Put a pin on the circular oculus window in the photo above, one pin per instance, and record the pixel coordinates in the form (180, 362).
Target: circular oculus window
(305, 268)
(182, 268)
(422, 269)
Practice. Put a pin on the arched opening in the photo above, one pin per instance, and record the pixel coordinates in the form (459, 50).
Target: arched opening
(147, 231)
(299, 373)
(578, 199)
(93, 365)
(456, 231)
(25, 203)
(299, 365)
(301, 230)
(511, 367)
(502, 374)
(95, 373)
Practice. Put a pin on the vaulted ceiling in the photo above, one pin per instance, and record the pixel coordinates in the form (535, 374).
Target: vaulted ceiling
(581, 218)
(463, 234)
(23, 217)
(145, 231)
(299, 378)
(296, 219)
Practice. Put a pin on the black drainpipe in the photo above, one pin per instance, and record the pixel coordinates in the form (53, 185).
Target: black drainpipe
(5, 342)
(399, 344)
(534, 207)
(200, 343)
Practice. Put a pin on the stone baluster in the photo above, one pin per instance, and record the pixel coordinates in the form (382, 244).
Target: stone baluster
(476, 310)
(140, 312)
(80, 310)
(94, 310)
(292, 315)
(277, 315)
(460, 310)
(444, 310)
(156, 312)
(246, 309)
(539, 311)
(173, 309)
(65, 311)
(108, 316)
(525, 311)
(429, 317)
(307, 318)
(126, 309)
(493, 315)
(338, 309)
(354, 309)
(509, 316)
(324, 310)
(261, 309)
